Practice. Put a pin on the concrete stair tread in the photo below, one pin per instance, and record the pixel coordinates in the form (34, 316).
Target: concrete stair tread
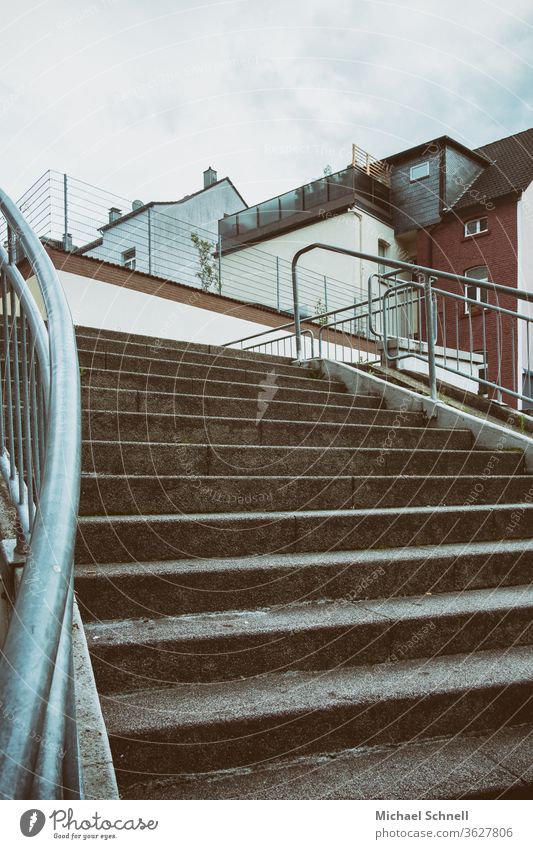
(193, 493)
(114, 457)
(176, 417)
(286, 365)
(296, 562)
(285, 695)
(92, 333)
(271, 516)
(464, 766)
(357, 405)
(155, 366)
(434, 477)
(320, 615)
(158, 536)
(333, 392)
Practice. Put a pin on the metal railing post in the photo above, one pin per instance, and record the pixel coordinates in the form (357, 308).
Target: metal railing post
(219, 264)
(278, 302)
(296, 305)
(66, 240)
(430, 324)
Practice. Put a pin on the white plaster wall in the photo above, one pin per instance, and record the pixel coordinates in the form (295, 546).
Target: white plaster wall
(96, 304)
(242, 274)
(161, 235)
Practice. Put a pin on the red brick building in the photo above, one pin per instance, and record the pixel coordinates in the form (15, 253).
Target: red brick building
(471, 213)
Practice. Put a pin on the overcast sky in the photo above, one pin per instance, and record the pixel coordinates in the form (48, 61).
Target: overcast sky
(140, 97)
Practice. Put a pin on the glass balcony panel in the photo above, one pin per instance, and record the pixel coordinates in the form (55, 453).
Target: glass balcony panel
(268, 212)
(315, 194)
(291, 203)
(340, 184)
(247, 220)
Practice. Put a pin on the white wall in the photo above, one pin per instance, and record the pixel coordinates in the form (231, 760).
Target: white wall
(161, 235)
(346, 230)
(108, 307)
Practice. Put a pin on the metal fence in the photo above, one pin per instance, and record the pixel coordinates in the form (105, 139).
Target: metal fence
(474, 332)
(93, 222)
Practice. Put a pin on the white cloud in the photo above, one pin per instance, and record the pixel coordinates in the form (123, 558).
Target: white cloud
(140, 97)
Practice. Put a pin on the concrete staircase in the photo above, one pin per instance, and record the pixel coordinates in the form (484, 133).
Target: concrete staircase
(293, 592)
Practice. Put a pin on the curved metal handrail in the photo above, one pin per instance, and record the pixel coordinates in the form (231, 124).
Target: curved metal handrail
(40, 448)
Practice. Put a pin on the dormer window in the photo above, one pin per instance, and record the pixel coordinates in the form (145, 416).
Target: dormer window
(477, 225)
(418, 172)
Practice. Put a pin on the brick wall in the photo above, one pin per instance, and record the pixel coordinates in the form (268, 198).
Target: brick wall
(445, 246)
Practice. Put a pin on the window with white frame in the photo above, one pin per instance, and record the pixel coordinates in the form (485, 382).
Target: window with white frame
(475, 226)
(472, 290)
(418, 172)
(383, 250)
(129, 259)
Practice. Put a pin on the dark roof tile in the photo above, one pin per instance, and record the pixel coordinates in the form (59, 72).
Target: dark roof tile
(511, 170)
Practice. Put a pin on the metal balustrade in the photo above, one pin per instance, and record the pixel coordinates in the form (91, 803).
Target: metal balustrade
(40, 444)
(68, 213)
(484, 341)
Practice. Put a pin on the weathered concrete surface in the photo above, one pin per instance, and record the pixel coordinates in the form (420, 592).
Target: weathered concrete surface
(99, 780)
(492, 766)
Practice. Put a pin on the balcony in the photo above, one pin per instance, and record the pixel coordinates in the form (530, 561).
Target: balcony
(309, 203)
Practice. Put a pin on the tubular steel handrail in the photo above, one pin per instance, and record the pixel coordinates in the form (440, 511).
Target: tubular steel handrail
(435, 329)
(40, 446)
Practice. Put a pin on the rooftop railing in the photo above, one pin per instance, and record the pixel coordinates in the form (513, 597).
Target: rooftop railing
(75, 216)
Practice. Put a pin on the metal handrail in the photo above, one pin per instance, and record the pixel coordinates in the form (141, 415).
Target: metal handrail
(40, 449)
(429, 293)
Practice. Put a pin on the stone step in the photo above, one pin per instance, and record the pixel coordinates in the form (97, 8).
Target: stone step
(262, 407)
(151, 494)
(139, 654)
(158, 349)
(157, 427)
(146, 382)
(174, 587)
(494, 765)
(107, 457)
(197, 728)
(95, 336)
(260, 372)
(169, 537)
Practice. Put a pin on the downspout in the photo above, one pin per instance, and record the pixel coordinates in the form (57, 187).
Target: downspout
(359, 215)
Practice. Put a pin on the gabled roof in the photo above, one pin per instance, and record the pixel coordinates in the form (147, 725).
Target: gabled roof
(185, 198)
(510, 169)
(431, 146)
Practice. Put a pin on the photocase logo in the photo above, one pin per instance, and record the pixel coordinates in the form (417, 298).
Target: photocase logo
(267, 394)
(32, 822)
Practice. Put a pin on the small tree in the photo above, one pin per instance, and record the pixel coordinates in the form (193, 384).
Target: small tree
(320, 307)
(208, 274)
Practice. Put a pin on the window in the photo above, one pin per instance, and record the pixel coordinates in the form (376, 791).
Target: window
(473, 291)
(128, 259)
(418, 172)
(383, 250)
(477, 225)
